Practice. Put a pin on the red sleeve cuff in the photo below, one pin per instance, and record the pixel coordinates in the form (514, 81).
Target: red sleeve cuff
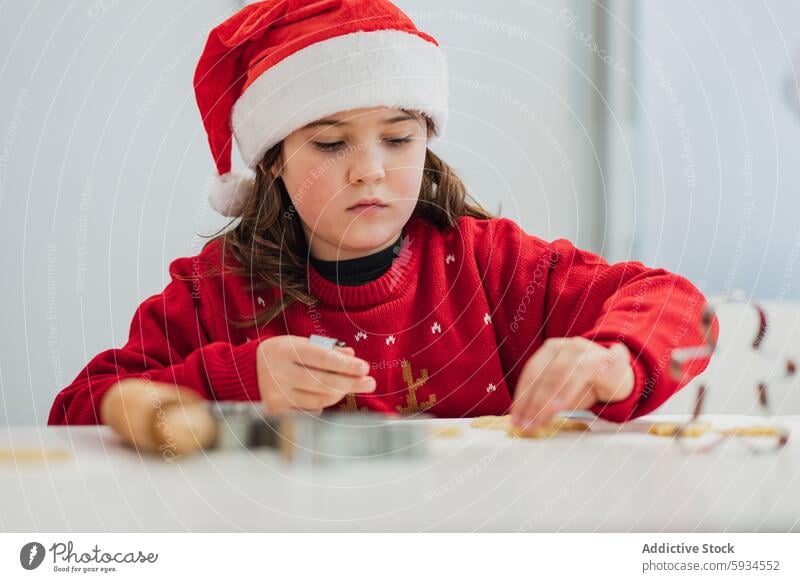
(623, 410)
(232, 372)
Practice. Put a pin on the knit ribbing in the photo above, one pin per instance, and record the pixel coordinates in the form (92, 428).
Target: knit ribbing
(390, 285)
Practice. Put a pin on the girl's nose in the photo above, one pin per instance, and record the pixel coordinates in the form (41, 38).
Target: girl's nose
(366, 167)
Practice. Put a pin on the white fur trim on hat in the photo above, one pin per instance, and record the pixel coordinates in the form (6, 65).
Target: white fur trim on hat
(229, 192)
(388, 68)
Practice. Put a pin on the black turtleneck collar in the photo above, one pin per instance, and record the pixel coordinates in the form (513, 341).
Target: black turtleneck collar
(360, 270)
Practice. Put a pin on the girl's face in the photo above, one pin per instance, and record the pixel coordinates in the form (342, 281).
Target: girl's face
(354, 179)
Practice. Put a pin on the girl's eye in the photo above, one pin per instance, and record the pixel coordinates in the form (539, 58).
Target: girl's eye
(336, 145)
(328, 147)
(397, 141)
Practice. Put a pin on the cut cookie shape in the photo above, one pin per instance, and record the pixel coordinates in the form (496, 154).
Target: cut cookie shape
(751, 431)
(555, 426)
(692, 429)
(18, 454)
(492, 422)
(447, 431)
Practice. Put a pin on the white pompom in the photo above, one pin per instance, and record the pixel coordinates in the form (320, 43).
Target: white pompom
(230, 192)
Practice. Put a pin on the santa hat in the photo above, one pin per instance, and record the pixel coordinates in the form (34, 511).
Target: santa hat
(275, 66)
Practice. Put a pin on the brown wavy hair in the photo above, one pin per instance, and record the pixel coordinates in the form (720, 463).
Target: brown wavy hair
(270, 247)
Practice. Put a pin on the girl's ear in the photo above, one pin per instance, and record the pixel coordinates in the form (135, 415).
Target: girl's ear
(277, 165)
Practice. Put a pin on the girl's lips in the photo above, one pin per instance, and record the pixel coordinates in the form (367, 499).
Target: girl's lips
(364, 208)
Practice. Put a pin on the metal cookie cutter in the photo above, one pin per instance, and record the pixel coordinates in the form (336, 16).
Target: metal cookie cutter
(326, 342)
(345, 436)
(329, 437)
(243, 425)
(774, 436)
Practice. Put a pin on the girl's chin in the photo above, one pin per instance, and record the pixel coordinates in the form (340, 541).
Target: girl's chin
(369, 241)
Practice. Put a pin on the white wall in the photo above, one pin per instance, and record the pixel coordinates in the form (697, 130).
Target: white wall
(719, 193)
(103, 179)
(521, 131)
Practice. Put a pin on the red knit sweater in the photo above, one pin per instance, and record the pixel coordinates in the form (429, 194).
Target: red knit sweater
(447, 329)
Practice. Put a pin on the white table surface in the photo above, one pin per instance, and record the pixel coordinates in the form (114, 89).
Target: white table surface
(605, 480)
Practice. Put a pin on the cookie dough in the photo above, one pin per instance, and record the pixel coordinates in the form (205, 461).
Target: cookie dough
(492, 422)
(555, 426)
(692, 429)
(18, 454)
(447, 431)
(752, 431)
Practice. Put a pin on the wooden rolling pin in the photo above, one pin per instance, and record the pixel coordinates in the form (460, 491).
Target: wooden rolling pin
(158, 417)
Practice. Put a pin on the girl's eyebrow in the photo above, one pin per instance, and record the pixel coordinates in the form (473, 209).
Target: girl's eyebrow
(387, 121)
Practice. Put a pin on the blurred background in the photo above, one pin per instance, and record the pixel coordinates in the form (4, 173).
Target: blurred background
(661, 132)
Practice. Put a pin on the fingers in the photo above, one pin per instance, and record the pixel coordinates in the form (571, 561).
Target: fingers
(320, 381)
(312, 401)
(532, 373)
(578, 393)
(346, 350)
(320, 377)
(557, 377)
(338, 360)
(550, 394)
(293, 373)
(337, 370)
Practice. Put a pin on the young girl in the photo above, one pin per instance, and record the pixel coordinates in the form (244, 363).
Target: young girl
(352, 228)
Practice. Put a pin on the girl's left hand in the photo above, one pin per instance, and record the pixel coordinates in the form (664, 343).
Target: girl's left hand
(569, 373)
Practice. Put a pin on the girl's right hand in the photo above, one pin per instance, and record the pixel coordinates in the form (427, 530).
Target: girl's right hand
(296, 374)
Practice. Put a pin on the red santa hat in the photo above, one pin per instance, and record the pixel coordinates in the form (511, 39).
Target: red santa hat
(277, 65)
